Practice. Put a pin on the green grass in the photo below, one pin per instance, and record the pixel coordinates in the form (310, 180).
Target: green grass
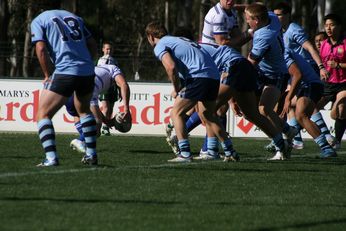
(134, 188)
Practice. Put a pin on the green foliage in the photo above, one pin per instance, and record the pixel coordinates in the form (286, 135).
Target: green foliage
(123, 23)
(134, 188)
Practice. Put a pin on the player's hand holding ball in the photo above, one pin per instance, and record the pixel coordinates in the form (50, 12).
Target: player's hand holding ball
(122, 121)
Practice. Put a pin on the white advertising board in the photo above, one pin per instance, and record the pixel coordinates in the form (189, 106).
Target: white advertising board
(150, 105)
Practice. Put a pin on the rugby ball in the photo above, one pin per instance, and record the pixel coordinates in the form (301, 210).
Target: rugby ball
(122, 124)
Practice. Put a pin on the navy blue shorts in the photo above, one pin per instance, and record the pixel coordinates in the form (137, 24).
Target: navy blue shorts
(200, 89)
(313, 91)
(70, 108)
(111, 95)
(65, 85)
(242, 76)
(280, 82)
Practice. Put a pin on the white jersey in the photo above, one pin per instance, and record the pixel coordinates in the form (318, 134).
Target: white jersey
(217, 21)
(106, 59)
(104, 79)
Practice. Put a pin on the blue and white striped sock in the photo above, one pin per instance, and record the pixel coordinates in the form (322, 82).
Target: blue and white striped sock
(227, 147)
(294, 123)
(318, 120)
(78, 126)
(184, 147)
(213, 146)
(47, 136)
(89, 130)
(322, 142)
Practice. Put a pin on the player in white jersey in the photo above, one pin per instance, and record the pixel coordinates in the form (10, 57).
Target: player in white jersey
(107, 58)
(221, 26)
(111, 96)
(106, 77)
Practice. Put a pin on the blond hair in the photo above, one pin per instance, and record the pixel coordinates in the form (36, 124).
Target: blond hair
(257, 11)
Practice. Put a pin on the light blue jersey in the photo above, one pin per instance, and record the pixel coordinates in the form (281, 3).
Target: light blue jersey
(294, 37)
(308, 73)
(223, 56)
(191, 60)
(65, 36)
(268, 49)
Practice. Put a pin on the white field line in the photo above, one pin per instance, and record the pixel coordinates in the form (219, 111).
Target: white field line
(78, 170)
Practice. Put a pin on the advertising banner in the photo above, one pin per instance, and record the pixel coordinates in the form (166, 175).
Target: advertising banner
(150, 106)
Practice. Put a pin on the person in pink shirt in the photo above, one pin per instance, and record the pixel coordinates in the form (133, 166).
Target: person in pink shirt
(333, 55)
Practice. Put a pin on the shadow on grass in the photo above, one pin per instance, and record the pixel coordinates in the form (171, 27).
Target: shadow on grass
(18, 157)
(218, 169)
(148, 152)
(270, 204)
(71, 200)
(304, 225)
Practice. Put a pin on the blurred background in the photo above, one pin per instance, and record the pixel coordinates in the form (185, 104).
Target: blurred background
(122, 23)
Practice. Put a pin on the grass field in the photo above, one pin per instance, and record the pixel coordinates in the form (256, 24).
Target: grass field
(134, 188)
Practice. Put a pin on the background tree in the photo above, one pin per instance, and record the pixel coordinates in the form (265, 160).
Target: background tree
(4, 21)
(122, 22)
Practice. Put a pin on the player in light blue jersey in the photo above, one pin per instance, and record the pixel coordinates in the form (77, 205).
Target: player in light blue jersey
(195, 80)
(239, 84)
(308, 88)
(268, 48)
(106, 77)
(60, 37)
(221, 28)
(267, 54)
(296, 39)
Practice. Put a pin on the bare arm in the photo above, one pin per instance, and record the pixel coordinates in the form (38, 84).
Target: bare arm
(171, 71)
(252, 61)
(316, 57)
(124, 91)
(99, 117)
(236, 40)
(43, 58)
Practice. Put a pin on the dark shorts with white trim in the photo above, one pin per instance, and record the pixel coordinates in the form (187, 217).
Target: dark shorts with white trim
(313, 91)
(242, 76)
(280, 82)
(65, 85)
(200, 89)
